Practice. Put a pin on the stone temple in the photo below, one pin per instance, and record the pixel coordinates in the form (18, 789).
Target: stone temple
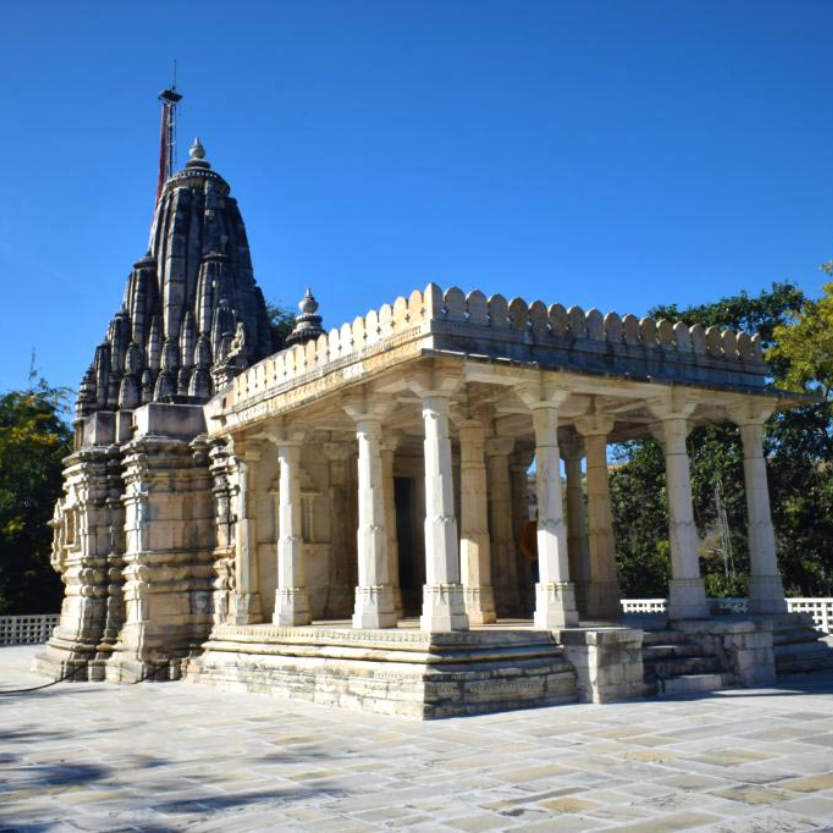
(337, 518)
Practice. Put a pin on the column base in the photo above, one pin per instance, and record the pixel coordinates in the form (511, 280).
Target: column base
(766, 595)
(398, 607)
(603, 600)
(581, 593)
(443, 608)
(246, 609)
(555, 605)
(374, 607)
(480, 604)
(291, 607)
(687, 599)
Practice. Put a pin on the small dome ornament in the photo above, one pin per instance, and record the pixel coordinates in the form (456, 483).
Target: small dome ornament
(197, 154)
(308, 324)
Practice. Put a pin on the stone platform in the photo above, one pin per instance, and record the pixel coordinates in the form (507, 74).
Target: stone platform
(399, 671)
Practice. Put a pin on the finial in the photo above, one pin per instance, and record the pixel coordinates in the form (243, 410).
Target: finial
(308, 305)
(197, 151)
(197, 154)
(308, 324)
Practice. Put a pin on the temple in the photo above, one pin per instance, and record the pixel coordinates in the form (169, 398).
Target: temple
(338, 518)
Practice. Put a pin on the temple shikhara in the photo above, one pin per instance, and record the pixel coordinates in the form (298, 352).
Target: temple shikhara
(338, 517)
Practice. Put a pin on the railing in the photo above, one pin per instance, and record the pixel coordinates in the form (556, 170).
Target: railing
(820, 609)
(552, 324)
(27, 630)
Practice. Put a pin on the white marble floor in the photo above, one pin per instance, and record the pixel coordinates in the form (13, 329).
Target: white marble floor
(176, 756)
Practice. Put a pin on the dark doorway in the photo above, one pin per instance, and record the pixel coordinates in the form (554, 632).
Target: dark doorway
(411, 565)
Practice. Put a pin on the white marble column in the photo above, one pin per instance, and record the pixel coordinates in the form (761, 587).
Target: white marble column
(443, 603)
(291, 602)
(504, 560)
(374, 594)
(686, 591)
(341, 593)
(578, 547)
(766, 590)
(390, 443)
(555, 596)
(475, 557)
(246, 602)
(603, 597)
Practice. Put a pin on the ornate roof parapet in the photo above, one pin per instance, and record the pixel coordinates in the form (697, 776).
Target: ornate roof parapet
(308, 324)
(185, 302)
(549, 335)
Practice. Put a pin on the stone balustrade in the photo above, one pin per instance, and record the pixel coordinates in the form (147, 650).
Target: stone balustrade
(821, 609)
(27, 630)
(475, 314)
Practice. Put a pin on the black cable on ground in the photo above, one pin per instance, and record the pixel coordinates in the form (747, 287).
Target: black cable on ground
(150, 676)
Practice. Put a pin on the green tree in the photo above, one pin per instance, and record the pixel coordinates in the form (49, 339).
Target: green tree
(801, 464)
(282, 320)
(34, 439)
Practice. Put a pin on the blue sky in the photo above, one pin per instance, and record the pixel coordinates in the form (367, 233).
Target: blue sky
(609, 154)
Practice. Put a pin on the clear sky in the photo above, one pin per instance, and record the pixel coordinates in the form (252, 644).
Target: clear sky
(608, 154)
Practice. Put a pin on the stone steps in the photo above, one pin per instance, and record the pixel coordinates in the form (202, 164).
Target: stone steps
(695, 683)
(813, 653)
(671, 650)
(682, 666)
(675, 664)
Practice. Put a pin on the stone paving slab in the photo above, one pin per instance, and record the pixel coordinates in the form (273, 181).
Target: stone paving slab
(180, 757)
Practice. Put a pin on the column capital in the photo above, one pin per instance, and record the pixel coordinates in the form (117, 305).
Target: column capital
(499, 446)
(522, 458)
(366, 406)
(595, 424)
(674, 403)
(751, 411)
(439, 379)
(572, 448)
(283, 434)
(244, 450)
(391, 441)
(338, 452)
(542, 394)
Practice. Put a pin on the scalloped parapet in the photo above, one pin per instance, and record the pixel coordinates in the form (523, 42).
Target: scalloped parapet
(569, 339)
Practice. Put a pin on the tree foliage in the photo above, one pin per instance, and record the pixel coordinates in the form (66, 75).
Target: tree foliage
(798, 336)
(33, 441)
(282, 320)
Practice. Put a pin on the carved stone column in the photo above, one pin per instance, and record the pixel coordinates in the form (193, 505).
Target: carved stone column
(291, 602)
(390, 443)
(555, 598)
(246, 601)
(504, 561)
(443, 605)
(340, 455)
(374, 595)
(686, 591)
(766, 590)
(519, 463)
(578, 547)
(603, 597)
(475, 557)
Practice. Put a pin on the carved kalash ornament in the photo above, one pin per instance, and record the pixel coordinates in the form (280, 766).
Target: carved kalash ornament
(344, 517)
